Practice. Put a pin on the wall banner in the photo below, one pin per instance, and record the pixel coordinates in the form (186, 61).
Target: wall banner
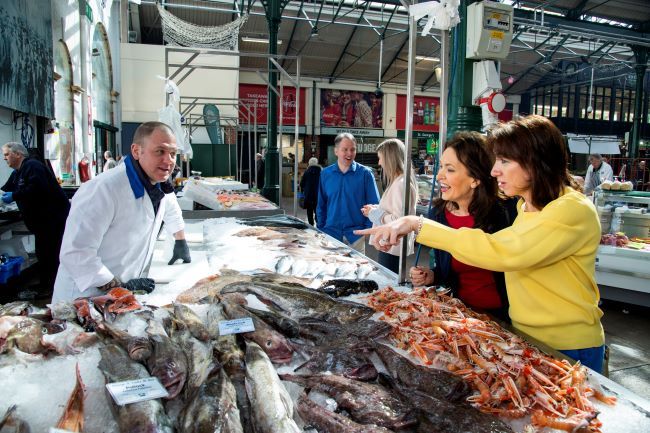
(357, 132)
(249, 93)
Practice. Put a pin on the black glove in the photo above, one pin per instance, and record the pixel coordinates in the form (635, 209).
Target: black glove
(181, 251)
(140, 285)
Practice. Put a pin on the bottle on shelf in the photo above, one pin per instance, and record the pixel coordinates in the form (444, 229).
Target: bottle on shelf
(420, 114)
(427, 114)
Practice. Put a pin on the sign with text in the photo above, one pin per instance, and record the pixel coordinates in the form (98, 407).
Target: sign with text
(350, 109)
(357, 132)
(236, 326)
(426, 113)
(133, 391)
(249, 94)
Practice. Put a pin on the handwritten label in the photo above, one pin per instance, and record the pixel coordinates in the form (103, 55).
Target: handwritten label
(236, 326)
(133, 391)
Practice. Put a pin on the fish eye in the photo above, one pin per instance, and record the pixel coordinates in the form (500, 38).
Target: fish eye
(269, 343)
(353, 310)
(44, 330)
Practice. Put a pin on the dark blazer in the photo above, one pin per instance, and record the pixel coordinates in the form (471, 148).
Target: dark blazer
(502, 215)
(40, 199)
(309, 185)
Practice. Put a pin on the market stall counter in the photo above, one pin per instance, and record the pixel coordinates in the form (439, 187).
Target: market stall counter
(315, 315)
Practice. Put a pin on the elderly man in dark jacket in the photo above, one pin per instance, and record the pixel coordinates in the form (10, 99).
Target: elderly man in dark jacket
(43, 205)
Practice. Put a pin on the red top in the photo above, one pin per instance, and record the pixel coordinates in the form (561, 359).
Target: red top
(476, 286)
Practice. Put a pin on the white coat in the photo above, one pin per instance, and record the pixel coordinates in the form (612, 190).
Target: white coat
(111, 232)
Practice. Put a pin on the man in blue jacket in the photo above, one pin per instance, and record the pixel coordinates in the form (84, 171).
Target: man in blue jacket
(345, 187)
(43, 205)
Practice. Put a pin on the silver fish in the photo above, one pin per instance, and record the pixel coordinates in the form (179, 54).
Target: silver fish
(199, 360)
(283, 265)
(273, 407)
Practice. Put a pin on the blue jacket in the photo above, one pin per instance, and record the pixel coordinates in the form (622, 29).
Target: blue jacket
(341, 197)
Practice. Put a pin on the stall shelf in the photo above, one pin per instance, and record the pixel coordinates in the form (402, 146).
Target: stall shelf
(623, 273)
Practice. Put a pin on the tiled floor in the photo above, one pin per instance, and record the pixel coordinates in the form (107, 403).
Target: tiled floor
(627, 332)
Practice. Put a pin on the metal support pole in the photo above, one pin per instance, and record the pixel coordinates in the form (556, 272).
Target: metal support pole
(255, 132)
(444, 92)
(280, 142)
(297, 133)
(250, 169)
(408, 139)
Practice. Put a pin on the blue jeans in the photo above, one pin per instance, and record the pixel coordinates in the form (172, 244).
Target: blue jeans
(592, 357)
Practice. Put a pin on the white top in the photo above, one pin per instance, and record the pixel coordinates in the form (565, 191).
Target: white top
(605, 172)
(392, 203)
(110, 232)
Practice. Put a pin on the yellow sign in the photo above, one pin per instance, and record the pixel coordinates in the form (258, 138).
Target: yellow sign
(496, 35)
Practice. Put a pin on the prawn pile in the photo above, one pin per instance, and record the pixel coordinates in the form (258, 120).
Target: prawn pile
(509, 377)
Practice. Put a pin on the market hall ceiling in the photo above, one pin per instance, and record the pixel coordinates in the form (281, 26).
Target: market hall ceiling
(340, 39)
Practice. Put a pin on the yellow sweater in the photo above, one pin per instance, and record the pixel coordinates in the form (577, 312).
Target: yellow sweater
(548, 258)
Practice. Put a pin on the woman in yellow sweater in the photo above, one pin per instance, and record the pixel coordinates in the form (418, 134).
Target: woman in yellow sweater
(548, 254)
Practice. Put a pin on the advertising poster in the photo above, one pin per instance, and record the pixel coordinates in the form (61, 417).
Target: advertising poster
(249, 93)
(350, 109)
(426, 113)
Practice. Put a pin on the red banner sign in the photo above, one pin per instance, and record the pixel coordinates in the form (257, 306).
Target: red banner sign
(251, 93)
(426, 113)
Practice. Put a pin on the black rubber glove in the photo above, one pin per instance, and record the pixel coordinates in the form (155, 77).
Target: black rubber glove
(181, 251)
(140, 285)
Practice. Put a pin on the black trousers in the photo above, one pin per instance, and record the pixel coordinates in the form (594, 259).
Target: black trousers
(388, 261)
(48, 247)
(311, 214)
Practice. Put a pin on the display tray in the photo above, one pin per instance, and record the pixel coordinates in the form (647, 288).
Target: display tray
(629, 193)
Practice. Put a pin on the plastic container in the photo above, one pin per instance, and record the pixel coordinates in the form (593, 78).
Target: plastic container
(10, 268)
(617, 219)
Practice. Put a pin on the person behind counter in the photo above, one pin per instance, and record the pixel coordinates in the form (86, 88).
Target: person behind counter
(43, 205)
(115, 219)
(548, 254)
(344, 188)
(469, 198)
(391, 206)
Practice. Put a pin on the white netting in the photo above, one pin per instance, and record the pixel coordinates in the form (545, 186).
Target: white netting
(179, 32)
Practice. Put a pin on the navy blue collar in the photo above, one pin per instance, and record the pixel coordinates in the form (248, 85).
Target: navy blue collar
(137, 186)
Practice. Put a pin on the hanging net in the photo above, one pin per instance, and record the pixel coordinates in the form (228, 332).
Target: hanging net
(184, 34)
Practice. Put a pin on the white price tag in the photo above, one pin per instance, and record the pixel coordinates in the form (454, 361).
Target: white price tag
(133, 391)
(58, 430)
(236, 326)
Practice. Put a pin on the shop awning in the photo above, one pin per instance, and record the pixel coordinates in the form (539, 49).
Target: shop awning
(589, 144)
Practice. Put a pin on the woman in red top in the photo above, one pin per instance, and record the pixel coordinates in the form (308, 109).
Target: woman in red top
(469, 198)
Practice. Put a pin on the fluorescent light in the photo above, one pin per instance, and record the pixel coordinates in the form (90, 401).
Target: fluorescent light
(257, 40)
(427, 59)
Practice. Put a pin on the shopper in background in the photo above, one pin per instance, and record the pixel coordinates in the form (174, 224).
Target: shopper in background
(116, 217)
(309, 187)
(344, 188)
(110, 161)
(43, 205)
(259, 169)
(597, 172)
(548, 255)
(641, 177)
(391, 206)
(469, 198)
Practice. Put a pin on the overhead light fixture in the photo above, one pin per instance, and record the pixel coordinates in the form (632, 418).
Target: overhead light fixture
(427, 59)
(257, 40)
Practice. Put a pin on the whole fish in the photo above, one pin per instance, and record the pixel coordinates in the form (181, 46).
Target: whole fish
(322, 332)
(350, 362)
(213, 408)
(72, 419)
(273, 221)
(27, 336)
(209, 288)
(298, 302)
(283, 265)
(272, 342)
(432, 381)
(72, 340)
(326, 421)
(273, 407)
(367, 403)
(144, 416)
(138, 348)
(440, 416)
(167, 361)
(16, 308)
(286, 325)
(232, 360)
(340, 287)
(192, 321)
(199, 360)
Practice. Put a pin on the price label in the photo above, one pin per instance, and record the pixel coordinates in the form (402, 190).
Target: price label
(133, 391)
(236, 326)
(58, 430)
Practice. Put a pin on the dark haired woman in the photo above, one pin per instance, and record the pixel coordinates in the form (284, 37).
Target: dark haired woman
(548, 255)
(469, 198)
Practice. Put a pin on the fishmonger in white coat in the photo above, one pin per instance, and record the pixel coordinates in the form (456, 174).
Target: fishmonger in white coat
(115, 219)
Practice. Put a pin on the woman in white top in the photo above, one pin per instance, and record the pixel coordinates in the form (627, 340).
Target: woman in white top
(391, 206)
